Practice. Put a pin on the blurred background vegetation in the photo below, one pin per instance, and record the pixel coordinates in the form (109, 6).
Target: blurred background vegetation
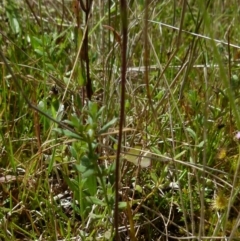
(179, 164)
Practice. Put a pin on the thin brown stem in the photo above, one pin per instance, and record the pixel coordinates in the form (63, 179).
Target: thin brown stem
(123, 9)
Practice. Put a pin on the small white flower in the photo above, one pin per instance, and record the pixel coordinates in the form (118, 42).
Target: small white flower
(237, 136)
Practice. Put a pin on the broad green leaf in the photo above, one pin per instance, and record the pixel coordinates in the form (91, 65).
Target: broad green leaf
(91, 185)
(15, 25)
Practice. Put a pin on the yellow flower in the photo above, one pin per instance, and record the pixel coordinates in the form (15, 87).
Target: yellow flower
(222, 153)
(220, 201)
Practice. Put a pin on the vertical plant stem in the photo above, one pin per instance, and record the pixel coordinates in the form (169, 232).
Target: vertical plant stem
(146, 52)
(123, 9)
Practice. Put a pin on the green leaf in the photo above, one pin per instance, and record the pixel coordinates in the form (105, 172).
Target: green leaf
(76, 122)
(180, 154)
(35, 42)
(107, 126)
(201, 144)
(100, 111)
(85, 167)
(91, 185)
(15, 25)
(12, 15)
(68, 133)
(191, 133)
(138, 188)
(85, 171)
(96, 216)
(39, 51)
(95, 200)
(73, 152)
(41, 105)
(81, 76)
(93, 109)
(154, 176)
(73, 184)
(91, 134)
(122, 205)
(68, 122)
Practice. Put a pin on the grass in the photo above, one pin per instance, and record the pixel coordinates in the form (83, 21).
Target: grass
(179, 162)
